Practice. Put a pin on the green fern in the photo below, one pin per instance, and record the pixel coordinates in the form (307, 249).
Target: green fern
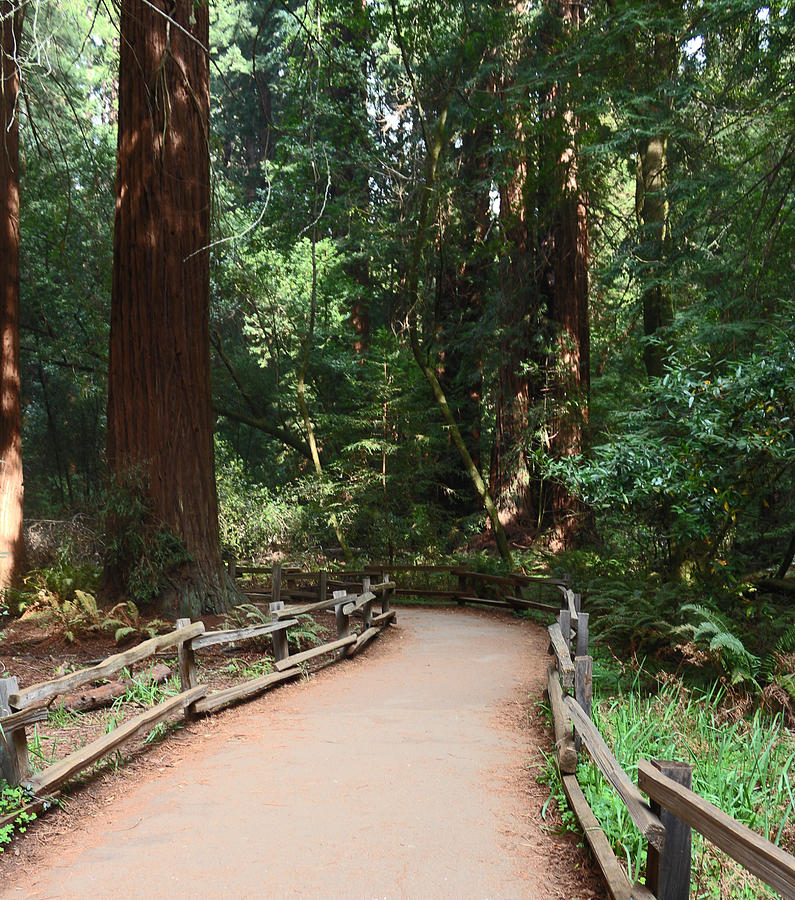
(244, 615)
(710, 630)
(784, 645)
(124, 620)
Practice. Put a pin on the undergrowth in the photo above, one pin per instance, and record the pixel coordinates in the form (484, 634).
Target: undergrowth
(12, 799)
(745, 765)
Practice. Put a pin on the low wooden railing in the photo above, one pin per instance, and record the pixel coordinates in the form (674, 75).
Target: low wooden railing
(675, 809)
(20, 708)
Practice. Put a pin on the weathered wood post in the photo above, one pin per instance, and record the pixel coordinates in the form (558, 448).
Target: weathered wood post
(583, 687)
(386, 594)
(276, 583)
(582, 633)
(187, 669)
(322, 586)
(14, 766)
(367, 609)
(281, 649)
(343, 621)
(564, 620)
(668, 870)
(231, 567)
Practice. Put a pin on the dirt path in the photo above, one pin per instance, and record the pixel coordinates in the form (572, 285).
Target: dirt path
(405, 773)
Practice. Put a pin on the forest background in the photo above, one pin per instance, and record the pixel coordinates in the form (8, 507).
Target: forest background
(481, 274)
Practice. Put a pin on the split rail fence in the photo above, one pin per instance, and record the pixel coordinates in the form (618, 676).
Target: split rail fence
(21, 708)
(667, 821)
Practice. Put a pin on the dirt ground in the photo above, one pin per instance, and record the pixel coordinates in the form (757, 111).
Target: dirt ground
(409, 771)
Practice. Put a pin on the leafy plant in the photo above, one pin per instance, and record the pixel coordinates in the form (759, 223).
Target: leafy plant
(12, 799)
(144, 691)
(305, 634)
(245, 615)
(124, 621)
(712, 631)
(61, 717)
(144, 552)
(744, 766)
(60, 580)
(74, 617)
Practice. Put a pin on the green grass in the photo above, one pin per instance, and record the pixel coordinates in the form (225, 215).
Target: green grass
(245, 670)
(744, 765)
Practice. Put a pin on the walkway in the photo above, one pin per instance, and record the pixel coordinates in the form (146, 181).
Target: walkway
(401, 774)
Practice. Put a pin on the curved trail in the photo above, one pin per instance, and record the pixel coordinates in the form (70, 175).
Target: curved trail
(404, 773)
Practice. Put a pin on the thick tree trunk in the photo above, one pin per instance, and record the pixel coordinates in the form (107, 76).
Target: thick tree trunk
(12, 547)
(571, 373)
(564, 283)
(160, 422)
(511, 479)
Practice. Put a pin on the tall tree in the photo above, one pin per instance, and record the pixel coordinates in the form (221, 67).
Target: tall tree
(565, 274)
(160, 423)
(657, 71)
(11, 489)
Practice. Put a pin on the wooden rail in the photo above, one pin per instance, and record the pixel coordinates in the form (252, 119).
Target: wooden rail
(675, 807)
(21, 708)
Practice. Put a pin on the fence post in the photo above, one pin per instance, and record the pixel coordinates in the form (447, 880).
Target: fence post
(367, 609)
(322, 586)
(187, 669)
(668, 870)
(14, 766)
(281, 649)
(583, 688)
(582, 633)
(462, 588)
(343, 621)
(564, 620)
(386, 593)
(276, 583)
(232, 568)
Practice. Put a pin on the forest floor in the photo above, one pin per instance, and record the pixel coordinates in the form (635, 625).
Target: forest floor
(409, 771)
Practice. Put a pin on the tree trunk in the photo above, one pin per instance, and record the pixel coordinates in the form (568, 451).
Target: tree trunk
(160, 422)
(564, 284)
(652, 207)
(511, 479)
(12, 547)
(571, 373)
(652, 212)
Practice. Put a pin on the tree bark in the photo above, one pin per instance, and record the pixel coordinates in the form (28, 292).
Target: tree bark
(651, 199)
(652, 212)
(12, 547)
(512, 481)
(569, 312)
(160, 421)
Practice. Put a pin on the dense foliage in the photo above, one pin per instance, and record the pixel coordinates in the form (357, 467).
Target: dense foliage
(661, 427)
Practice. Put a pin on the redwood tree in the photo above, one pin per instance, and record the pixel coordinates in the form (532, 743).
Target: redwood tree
(11, 489)
(160, 423)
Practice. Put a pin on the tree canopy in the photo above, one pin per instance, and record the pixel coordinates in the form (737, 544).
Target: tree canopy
(510, 273)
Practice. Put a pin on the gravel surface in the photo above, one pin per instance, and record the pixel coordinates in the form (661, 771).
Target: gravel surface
(407, 772)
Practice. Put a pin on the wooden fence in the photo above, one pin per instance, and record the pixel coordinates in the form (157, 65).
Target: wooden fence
(20, 708)
(674, 810)
(665, 823)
